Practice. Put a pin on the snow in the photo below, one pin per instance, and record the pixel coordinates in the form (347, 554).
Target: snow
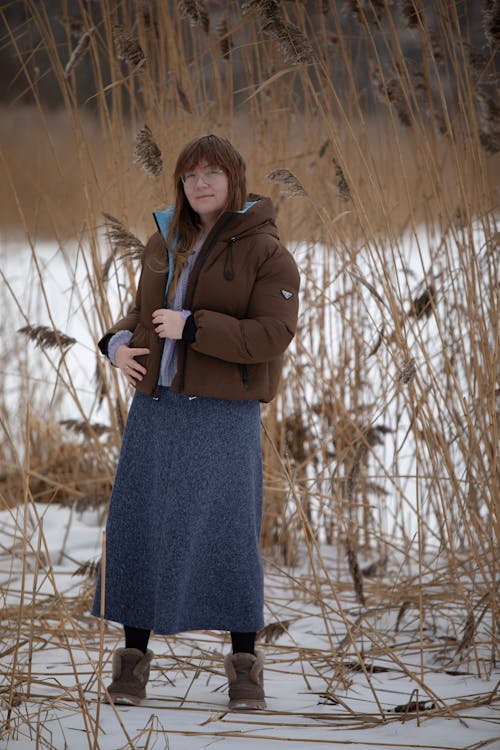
(310, 704)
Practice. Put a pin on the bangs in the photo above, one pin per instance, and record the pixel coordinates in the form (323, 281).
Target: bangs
(208, 152)
(215, 151)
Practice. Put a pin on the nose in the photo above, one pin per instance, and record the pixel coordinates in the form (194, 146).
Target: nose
(203, 179)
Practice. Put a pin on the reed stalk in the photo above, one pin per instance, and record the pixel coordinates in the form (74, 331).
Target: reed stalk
(374, 129)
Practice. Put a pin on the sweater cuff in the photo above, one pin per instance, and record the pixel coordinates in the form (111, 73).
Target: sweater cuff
(122, 337)
(189, 330)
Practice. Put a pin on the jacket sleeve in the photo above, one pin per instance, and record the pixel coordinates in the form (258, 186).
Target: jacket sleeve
(270, 321)
(128, 323)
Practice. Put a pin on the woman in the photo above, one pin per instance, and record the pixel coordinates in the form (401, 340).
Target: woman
(216, 307)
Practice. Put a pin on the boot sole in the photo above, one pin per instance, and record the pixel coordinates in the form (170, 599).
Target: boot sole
(123, 699)
(252, 705)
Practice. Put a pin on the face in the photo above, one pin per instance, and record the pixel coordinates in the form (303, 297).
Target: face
(206, 189)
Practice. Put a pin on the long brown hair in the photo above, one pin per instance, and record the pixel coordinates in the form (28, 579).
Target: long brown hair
(215, 151)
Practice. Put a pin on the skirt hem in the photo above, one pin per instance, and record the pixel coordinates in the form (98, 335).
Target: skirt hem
(234, 627)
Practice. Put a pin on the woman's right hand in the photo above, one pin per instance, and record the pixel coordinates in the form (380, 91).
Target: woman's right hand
(125, 359)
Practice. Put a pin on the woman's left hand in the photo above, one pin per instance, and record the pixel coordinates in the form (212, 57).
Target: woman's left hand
(168, 324)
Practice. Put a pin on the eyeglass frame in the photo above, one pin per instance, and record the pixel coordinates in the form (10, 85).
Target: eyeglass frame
(205, 175)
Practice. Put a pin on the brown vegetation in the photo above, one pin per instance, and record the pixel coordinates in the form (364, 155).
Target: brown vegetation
(384, 438)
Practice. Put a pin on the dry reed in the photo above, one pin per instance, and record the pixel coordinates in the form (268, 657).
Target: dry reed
(491, 19)
(197, 13)
(381, 449)
(292, 42)
(411, 12)
(128, 47)
(121, 238)
(47, 338)
(225, 39)
(79, 52)
(288, 179)
(147, 152)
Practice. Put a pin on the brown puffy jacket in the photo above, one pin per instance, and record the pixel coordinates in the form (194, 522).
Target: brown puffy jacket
(243, 293)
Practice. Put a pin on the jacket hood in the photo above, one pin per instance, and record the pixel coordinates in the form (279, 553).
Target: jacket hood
(257, 216)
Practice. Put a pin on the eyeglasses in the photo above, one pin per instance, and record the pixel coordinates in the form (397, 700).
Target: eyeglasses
(210, 176)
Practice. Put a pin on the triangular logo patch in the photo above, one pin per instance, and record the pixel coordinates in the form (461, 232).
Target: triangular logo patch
(286, 294)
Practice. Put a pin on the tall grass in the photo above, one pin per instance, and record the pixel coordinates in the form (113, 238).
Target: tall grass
(383, 440)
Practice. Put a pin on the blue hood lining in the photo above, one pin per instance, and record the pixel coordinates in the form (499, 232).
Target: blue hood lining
(164, 218)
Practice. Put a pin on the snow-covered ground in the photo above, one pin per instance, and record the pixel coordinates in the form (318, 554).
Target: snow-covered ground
(311, 702)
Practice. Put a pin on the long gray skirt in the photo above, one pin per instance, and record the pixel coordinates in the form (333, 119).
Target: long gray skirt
(182, 534)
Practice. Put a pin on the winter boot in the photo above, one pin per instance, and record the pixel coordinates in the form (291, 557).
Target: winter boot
(130, 675)
(246, 680)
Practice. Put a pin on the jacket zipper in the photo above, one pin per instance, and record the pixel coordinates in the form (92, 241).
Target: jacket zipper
(193, 289)
(157, 391)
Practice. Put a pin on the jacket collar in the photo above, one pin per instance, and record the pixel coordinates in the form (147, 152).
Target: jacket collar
(164, 218)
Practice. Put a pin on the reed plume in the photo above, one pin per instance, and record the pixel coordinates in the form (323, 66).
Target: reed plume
(378, 7)
(407, 372)
(183, 98)
(396, 97)
(390, 92)
(323, 148)
(119, 417)
(268, 9)
(225, 40)
(270, 633)
(288, 179)
(294, 45)
(491, 23)
(127, 47)
(47, 338)
(468, 632)
(147, 17)
(355, 8)
(442, 124)
(489, 121)
(477, 61)
(196, 12)
(375, 568)
(343, 190)
(147, 152)
(411, 13)
(88, 569)
(120, 238)
(422, 306)
(437, 47)
(85, 428)
(355, 570)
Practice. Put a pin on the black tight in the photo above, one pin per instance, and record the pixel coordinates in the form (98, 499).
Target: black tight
(243, 642)
(139, 638)
(136, 638)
